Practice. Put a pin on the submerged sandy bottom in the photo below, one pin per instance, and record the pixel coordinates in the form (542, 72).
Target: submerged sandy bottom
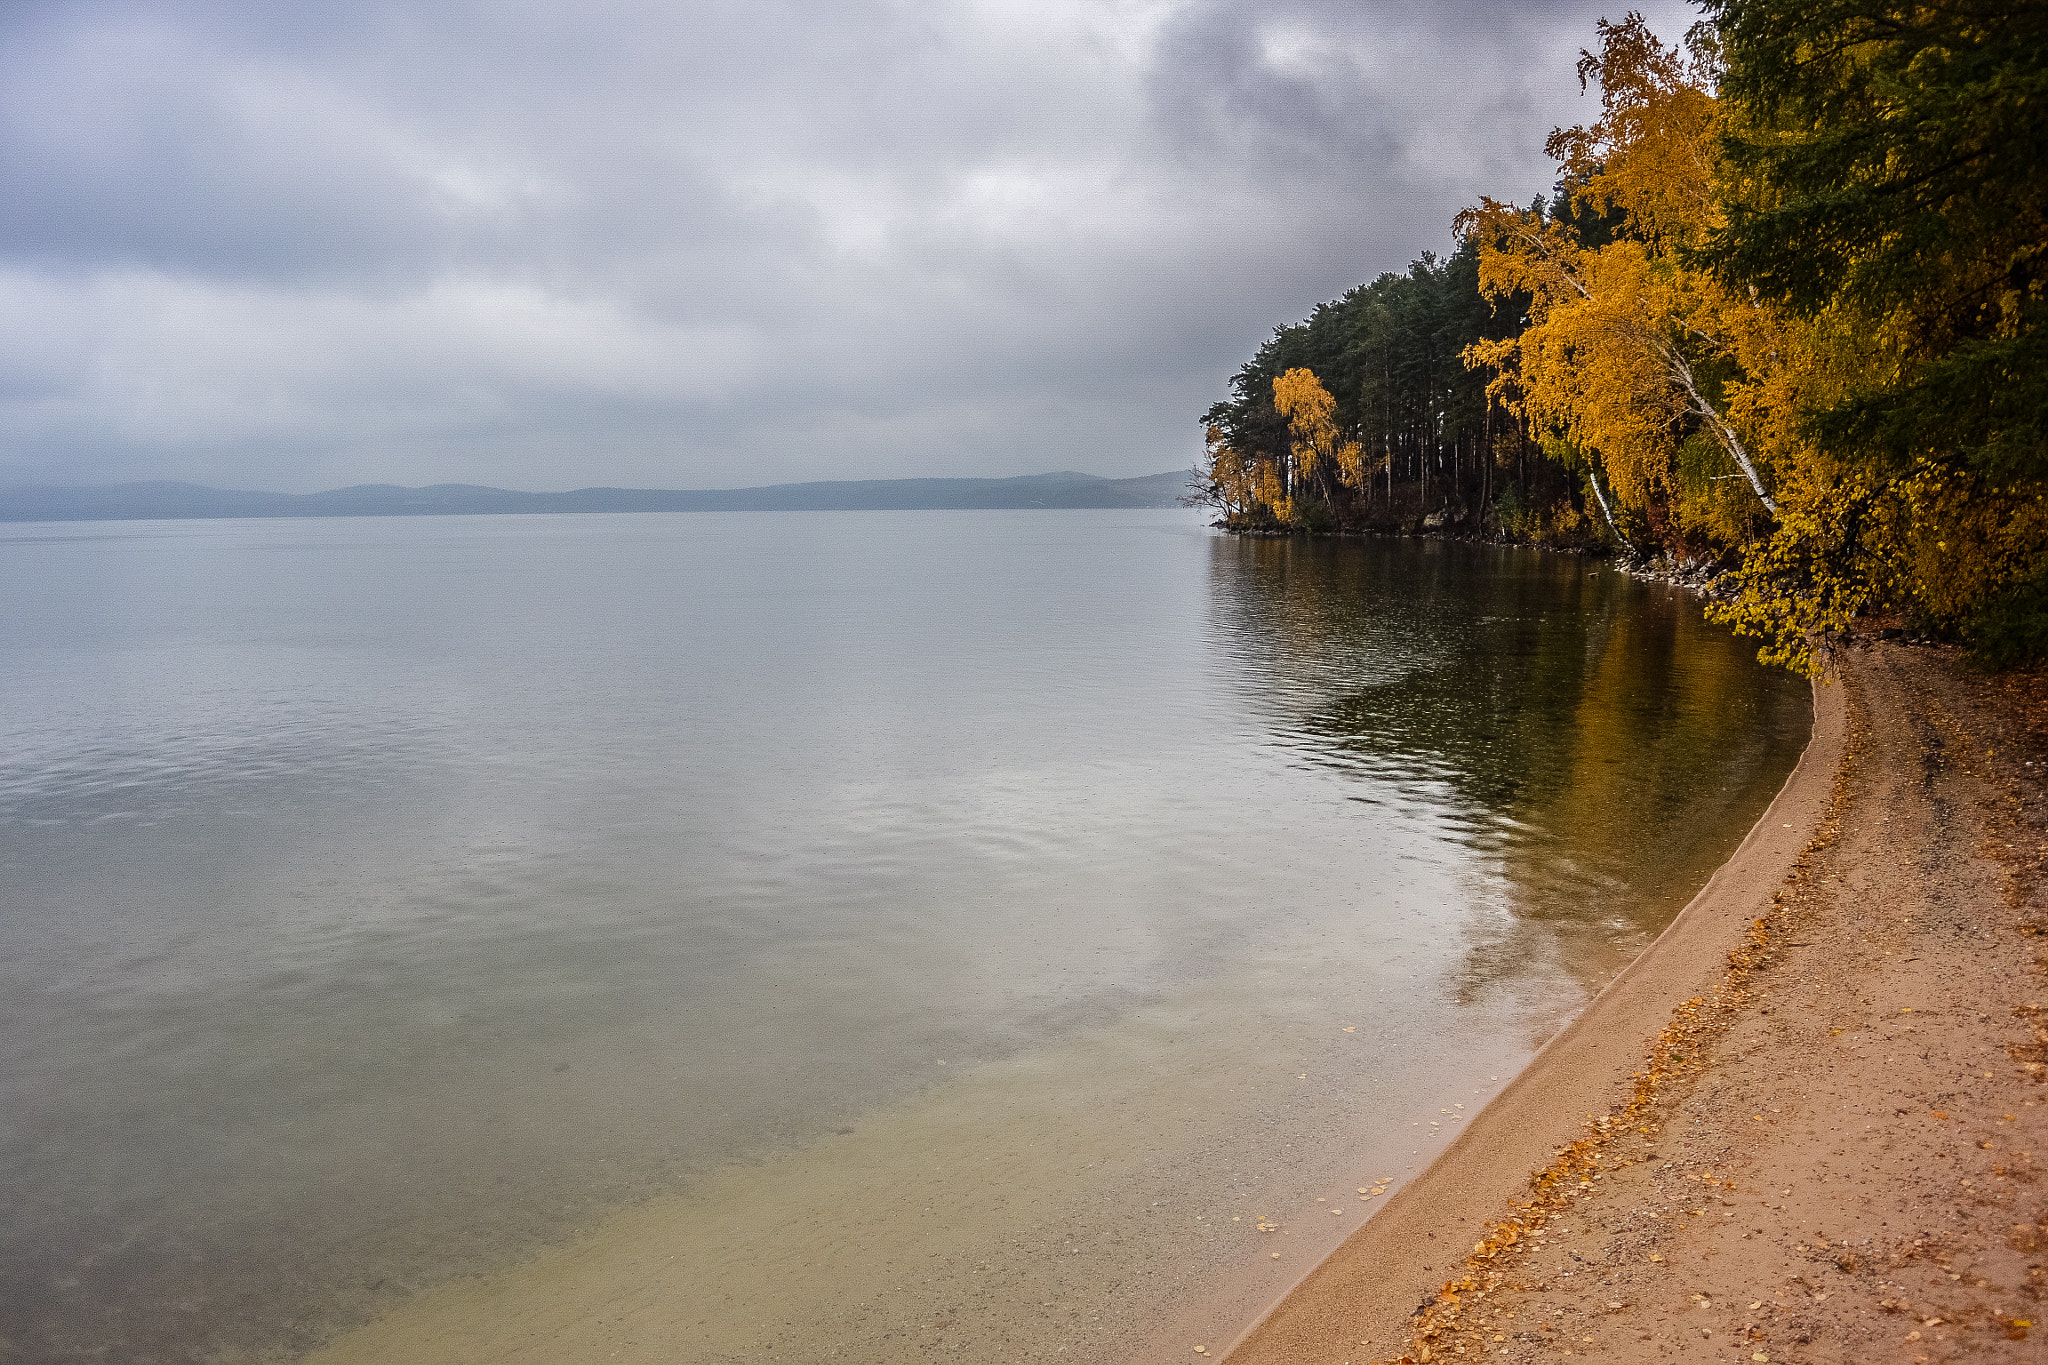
(1093, 1202)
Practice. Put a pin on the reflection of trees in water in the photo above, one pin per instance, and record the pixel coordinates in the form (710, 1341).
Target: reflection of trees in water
(1592, 737)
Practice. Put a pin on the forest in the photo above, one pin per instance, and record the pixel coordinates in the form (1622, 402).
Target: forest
(1782, 315)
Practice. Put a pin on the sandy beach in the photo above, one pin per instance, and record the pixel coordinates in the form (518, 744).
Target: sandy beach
(1806, 1125)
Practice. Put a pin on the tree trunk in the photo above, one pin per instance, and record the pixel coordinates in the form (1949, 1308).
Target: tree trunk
(1681, 375)
(1593, 477)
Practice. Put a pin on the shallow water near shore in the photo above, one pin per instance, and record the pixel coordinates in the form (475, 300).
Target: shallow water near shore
(866, 935)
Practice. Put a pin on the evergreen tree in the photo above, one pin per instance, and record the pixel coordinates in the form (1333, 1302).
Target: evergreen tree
(1889, 162)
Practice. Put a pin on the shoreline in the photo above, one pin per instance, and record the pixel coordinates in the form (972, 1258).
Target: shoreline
(1374, 1280)
(1878, 828)
(1700, 577)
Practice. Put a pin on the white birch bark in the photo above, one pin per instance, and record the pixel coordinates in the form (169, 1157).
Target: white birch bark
(1696, 403)
(1593, 477)
(1681, 375)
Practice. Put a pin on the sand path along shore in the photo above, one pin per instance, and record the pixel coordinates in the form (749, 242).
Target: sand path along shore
(1808, 1125)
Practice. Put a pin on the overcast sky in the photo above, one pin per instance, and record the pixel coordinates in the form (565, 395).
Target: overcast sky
(549, 245)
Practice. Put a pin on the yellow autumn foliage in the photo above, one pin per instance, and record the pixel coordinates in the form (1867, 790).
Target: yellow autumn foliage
(1310, 412)
(1233, 476)
(1627, 351)
(1680, 396)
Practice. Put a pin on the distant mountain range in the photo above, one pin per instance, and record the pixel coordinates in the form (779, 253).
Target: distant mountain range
(152, 501)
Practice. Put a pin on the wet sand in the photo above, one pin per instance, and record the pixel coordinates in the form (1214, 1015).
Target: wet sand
(1807, 1125)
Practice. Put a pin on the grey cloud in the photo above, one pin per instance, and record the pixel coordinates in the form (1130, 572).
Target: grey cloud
(545, 245)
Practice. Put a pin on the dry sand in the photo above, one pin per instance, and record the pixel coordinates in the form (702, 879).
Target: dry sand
(1821, 1119)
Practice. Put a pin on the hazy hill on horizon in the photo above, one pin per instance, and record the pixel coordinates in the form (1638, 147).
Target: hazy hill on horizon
(161, 500)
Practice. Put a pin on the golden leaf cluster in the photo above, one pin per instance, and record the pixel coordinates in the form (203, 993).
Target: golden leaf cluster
(1688, 402)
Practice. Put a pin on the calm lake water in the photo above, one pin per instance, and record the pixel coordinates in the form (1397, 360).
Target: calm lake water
(958, 926)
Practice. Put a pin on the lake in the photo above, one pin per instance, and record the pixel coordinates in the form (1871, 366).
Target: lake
(879, 936)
